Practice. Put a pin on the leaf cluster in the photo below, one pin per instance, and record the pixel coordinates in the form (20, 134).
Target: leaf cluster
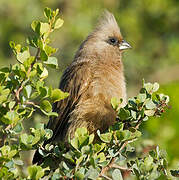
(109, 156)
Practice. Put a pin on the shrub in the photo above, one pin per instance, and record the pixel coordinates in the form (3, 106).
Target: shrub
(23, 91)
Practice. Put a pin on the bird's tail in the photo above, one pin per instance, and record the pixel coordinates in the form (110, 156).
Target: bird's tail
(37, 158)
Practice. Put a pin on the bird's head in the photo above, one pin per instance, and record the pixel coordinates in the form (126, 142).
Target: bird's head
(105, 40)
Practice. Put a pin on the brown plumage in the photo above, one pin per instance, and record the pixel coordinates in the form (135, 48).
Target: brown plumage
(92, 79)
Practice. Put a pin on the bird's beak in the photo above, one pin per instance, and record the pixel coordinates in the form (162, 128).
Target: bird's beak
(124, 45)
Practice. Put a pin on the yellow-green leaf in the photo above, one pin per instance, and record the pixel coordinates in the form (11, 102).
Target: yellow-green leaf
(59, 22)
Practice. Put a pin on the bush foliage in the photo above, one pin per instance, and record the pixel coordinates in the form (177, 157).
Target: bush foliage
(110, 156)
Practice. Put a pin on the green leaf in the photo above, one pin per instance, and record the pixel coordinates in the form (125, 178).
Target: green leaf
(27, 63)
(48, 133)
(56, 12)
(22, 56)
(58, 95)
(48, 13)
(85, 149)
(8, 152)
(148, 161)
(9, 164)
(149, 112)
(18, 162)
(3, 94)
(39, 67)
(115, 103)
(36, 27)
(101, 157)
(56, 176)
(59, 22)
(80, 174)
(43, 91)
(69, 156)
(28, 90)
(125, 134)
(117, 126)
(37, 135)
(150, 104)
(133, 114)
(44, 28)
(167, 99)
(98, 147)
(43, 55)
(91, 138)
(12, 153)
(18, 48)
(12, 44)
(146, 117)
(52, 62)
(44, 74)
(92, 174)
(5, 150)
(18, 128)
(65, 165)
(50, 113)
(32, 73)
(49, 50)
(142, 97)
(123, 114)
(12, 116)
(24, 138)
(106, 137)
(116, 175)
(32, 41)
(148, 87)
(136, 172)
(162, 97)
(79, 160)
(155, 87)
(81, 132)
(36, 172)
(12, 104)
(46, 106)
(74, 142)
(137, 134)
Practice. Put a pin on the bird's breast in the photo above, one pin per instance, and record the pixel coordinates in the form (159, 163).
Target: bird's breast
(108, 81)
(94, 109)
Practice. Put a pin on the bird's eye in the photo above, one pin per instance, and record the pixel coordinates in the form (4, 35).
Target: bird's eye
(113, 41)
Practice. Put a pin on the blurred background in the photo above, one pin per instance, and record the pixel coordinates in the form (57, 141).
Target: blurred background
(151, 27)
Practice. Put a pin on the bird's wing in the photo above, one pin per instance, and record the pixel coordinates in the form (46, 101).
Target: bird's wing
(75, 81)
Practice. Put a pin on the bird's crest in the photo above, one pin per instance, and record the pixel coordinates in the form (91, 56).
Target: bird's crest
(107, 23)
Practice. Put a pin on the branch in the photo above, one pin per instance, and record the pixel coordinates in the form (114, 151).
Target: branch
(120, 167)
(30, 103)
(36, 58)
(105, 169)
(24, 82)
(106, 177)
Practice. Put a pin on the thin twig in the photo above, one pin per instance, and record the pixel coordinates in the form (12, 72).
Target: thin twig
(123, 146)
(103, 175)
(105, 169)
(111, 164)
(36, 58)
(17, 93)
(30, 103)
(121, 168)
(138, 123)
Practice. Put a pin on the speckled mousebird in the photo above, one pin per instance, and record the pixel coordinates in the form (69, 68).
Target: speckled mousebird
(93, 78)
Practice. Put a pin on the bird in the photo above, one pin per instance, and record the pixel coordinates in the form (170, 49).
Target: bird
(95, 75)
